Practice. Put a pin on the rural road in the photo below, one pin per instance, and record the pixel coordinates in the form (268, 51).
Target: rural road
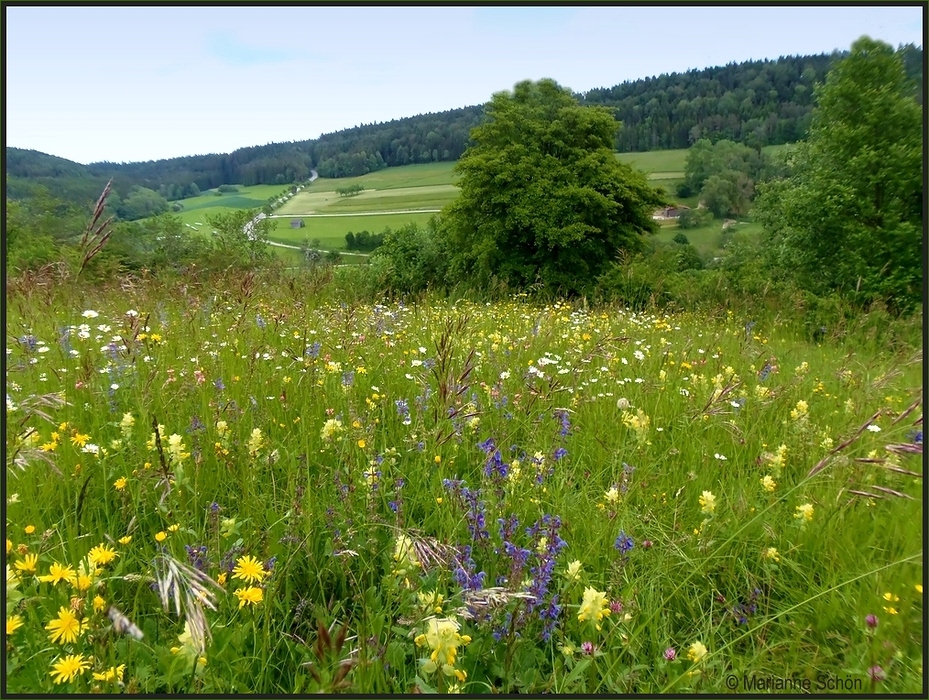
(359, 213)
(296, 247)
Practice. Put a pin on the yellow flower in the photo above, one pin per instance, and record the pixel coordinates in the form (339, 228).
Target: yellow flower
(768, 483)
(696, 652)
(83, 580)
(594, 606)
(113, 673)
(443, 638)
(804, 512)
(405, 554)
(249, 596)
(255, 442)
(161, 536)
(79, 440)
(800, 411)
(221, 579)
(919, 588)
(890, 610)
(437, 459)
(120, 483)
(431, 601)
(9, 546)
(66, 628)
(891, 598)
(612, 495)
(330, 428)
(101, 555)
(13, 623)
(125, 540)
(362, 443)
(248, 569)
(707, 502)
(29, 529)
(99, 603)
(573, 572)
(28, 563)
(772, 553)
(58, 573)
(68, 668)
(175, 449)
(174, 528)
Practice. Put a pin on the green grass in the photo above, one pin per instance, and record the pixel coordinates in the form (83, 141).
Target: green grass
(331, 230)
(657, 161)
(304, 440)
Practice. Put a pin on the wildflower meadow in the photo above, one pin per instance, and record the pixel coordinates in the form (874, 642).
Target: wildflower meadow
(254, 486)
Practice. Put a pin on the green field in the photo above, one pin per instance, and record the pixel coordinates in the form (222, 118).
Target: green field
(331, 230)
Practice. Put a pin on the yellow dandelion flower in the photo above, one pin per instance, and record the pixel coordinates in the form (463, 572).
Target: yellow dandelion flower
(120, 483)
(249, 569)
(101, 555)
(99, 603)
(65, 628)
(13, 623)
(29, 529)
(113, 673)
(221, 579)
(68, 668)
(79, 439)
(28, 563)
(58, 573)
(249, 596)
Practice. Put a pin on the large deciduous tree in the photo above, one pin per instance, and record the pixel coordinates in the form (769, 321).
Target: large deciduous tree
(849, 220)
(543, 197)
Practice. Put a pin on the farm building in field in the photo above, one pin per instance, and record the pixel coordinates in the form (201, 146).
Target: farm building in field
(670, 212)
(297, 223)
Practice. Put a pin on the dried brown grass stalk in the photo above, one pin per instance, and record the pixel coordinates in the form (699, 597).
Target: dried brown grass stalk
(96, 234)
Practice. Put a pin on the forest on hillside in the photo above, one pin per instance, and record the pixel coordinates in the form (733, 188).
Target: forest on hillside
(756, 103)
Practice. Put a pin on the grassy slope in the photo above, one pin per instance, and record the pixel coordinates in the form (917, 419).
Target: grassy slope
(424, 187)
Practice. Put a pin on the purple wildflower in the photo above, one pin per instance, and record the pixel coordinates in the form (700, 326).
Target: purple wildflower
(623, 543)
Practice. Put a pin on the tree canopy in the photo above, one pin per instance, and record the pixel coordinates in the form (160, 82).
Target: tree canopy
(849, 220)
(543, 197)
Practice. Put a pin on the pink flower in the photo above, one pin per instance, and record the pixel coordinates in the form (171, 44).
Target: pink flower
(670, 653)
(587, 648)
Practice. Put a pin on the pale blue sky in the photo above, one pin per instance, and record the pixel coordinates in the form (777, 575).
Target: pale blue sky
(142, 83)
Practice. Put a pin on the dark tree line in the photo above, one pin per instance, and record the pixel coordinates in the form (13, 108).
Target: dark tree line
(755, 103)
